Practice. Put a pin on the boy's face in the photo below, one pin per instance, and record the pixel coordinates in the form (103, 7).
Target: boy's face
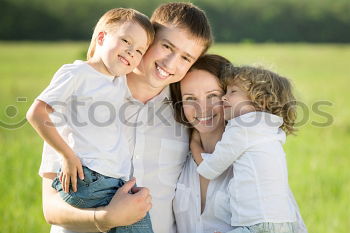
(121, 50)
(169, 57)
(236, 102)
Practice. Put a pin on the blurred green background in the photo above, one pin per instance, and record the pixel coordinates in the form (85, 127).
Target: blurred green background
(307, 41)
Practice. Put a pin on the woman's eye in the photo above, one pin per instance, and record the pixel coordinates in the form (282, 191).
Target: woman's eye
(189, 99)
(212, 95)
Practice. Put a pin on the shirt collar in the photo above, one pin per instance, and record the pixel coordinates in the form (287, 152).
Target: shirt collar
(164, 96)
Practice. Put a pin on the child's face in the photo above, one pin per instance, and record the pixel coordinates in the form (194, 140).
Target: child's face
(121, 50)
(172, 53)
(236, 102)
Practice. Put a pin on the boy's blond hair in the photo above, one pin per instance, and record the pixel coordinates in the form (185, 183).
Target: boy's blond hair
(114, 17)
(268, 92)
(186, 16)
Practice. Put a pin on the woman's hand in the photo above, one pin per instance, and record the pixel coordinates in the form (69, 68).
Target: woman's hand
(124, 208)
(196, 147)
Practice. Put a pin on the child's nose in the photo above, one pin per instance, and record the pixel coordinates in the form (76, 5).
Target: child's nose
(223, 98)
(130, 52)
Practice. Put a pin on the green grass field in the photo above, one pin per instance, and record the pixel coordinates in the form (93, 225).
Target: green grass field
(318, 157)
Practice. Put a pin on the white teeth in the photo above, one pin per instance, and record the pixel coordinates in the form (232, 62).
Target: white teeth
(123, 60)
(162, 72)
(204, 118)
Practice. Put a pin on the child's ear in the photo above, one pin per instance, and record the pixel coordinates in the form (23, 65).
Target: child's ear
(100, 38)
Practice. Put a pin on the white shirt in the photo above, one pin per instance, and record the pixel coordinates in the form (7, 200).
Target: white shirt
(259, 191)
(86, 103)
(159, 147)
(187, 202)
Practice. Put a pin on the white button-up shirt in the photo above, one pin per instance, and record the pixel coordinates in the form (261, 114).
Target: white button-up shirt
(259, 191)
(216, 216)
(159, 146)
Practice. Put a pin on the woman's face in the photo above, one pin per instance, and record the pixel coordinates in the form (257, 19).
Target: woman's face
(201, 96)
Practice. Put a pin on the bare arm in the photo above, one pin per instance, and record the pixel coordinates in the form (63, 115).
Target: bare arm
(124, 209)
(38, 117)
(196, 147)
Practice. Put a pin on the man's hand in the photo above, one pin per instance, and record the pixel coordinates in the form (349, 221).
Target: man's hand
(71, 169)
(125, 208)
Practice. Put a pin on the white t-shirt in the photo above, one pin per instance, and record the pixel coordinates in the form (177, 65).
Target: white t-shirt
(259, 191)
(159, 146)
(86, 104)
(216, 216)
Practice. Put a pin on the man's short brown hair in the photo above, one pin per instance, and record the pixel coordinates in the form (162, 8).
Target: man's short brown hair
(186, 16)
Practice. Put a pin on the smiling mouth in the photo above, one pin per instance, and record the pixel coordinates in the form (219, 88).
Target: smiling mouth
(162, 73)
(205, 119)
(124, 60)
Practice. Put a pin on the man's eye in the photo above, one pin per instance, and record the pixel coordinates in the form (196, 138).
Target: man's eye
(166, 46)
(186, 59)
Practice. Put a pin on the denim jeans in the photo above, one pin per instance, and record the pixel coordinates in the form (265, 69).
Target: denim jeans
(98, 190)
(267, 227)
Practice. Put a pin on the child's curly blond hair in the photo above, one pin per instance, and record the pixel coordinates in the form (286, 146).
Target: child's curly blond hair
(268, 92)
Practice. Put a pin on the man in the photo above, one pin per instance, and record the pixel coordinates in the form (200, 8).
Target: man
(159, 145)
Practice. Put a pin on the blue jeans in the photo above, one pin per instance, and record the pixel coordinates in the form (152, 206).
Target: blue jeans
(97, 190)
(267, 227)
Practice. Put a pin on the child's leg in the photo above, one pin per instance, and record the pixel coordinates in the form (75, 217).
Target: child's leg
(95, 190)
(98, 190)
(267, 227)
(142, 226)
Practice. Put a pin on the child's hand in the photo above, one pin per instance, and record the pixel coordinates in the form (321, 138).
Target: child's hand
(196, 147)
(195, 138)
(70, 169)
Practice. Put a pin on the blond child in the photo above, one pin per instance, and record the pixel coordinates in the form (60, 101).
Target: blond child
(260, 109)
(77, 113)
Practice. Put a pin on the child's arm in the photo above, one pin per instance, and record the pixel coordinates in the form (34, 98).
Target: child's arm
(196, 147)
(233, 143)
(38, 117)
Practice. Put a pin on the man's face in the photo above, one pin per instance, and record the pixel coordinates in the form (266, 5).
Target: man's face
(170, 56)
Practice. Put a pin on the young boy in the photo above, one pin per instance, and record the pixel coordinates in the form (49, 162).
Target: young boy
(84, 97)
(260, 109)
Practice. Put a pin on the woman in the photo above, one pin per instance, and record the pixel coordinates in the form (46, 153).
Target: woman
(201, 206)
